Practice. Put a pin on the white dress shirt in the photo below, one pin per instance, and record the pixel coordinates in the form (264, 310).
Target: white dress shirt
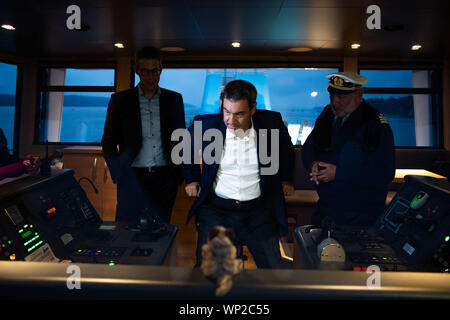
(238, 174)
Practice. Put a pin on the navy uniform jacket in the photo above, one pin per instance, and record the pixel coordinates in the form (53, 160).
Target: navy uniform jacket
(270, 185)
(364, 155)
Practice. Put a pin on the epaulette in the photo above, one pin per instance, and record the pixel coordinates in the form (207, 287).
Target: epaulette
(382, 118)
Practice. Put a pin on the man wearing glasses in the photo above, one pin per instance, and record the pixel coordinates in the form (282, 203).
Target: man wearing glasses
(137, 142)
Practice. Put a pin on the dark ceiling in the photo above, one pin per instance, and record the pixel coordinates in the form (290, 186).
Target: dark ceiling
(207, 27)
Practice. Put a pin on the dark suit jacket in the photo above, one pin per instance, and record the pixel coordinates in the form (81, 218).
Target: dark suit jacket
(5, 157)
(123, 129)
(270, 185)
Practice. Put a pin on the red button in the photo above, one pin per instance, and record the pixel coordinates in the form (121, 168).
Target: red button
(356, 268)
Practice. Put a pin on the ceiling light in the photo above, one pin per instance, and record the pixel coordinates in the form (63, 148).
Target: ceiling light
(119, 45)
(355, 46)
(314, 94)
(172, 49)
(236, 44)
(300, 49)
(8, 27)
(416, 47)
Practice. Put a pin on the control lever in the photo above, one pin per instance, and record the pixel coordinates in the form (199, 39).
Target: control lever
(330, 250)
(419, 200)
(151, 227)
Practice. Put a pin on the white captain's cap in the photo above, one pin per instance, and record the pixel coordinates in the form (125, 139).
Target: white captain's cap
(345, 82)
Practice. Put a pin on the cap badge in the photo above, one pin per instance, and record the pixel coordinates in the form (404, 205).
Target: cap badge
(338, 82)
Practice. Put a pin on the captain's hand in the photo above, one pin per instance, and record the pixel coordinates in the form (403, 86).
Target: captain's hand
(314, 172)
(327, 173)
(288, 188)
(193, 189)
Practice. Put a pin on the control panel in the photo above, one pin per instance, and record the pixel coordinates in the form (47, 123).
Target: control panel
(412, 234)
(51, 219)
(52, 211)
(417, 222)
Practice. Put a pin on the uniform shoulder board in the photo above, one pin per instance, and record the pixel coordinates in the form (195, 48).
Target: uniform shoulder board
(382, 119)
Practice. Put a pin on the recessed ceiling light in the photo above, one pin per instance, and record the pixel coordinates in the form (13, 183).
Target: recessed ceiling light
(235, 44)
(314, 94)
(416, 47)
(8, 27)
(355, 45)
(172, 49)
(300, 49)
(119, 45)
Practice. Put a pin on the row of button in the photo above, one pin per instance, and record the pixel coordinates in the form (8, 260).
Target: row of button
(104, 252)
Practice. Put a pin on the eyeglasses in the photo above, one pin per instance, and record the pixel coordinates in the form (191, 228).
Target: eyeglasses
(149, 72)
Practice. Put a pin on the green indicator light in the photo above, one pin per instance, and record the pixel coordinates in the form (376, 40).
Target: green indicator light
(25, 226)
(30, 241)
(9, 241)
(21, 230)
(111, 263)
(447, 238)
(26, 234)
(36, 245)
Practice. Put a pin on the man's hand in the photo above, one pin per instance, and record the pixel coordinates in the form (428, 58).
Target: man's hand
(326, 173)
(288, 188)
(314, 172)
(193, 189)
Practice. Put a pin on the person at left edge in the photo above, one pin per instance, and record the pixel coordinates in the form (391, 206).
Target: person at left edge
(12, 166)
(137, 142)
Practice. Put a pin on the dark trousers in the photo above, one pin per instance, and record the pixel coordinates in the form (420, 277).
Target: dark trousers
(142, 189)
(254, 226)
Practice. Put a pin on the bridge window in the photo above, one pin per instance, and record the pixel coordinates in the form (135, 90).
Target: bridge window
(410, 100)
(73, 104)
(299, 94)
(8, 83)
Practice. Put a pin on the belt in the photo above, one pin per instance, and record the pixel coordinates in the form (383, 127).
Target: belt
(153, 169)
(237, 202)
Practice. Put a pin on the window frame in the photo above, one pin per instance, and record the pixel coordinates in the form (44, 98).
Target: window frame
(17, 105)
(41, 113)
(435, 91)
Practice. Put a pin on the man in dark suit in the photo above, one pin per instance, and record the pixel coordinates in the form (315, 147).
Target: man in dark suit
(137, 142)
(242, 189)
